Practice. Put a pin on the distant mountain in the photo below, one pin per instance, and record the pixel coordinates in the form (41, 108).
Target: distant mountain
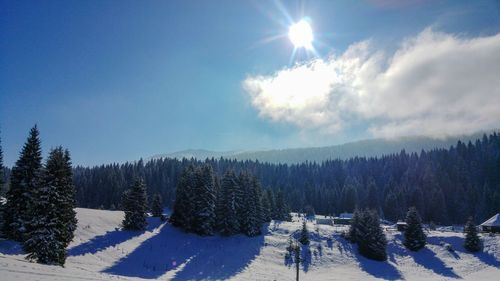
(367, 148)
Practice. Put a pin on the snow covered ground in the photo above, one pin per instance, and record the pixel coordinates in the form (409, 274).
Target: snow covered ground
(101, 251)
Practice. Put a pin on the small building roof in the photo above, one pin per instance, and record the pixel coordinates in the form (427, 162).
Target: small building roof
(493, 221)
(346, 216)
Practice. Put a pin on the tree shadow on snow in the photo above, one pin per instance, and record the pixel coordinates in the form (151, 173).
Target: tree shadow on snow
(457, 243)
(378, 269)
(9, 247)
(429, 260)
(111, 239)
(193, 257)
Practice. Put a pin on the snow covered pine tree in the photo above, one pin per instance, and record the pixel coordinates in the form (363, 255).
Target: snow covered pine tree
(25, 179)
(414, 235)
(53, 220)
(135, 206)
(472, 243)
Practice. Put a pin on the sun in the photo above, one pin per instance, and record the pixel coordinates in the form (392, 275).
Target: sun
(301, 34)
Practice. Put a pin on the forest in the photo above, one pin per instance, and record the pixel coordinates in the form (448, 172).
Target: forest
(445, 185)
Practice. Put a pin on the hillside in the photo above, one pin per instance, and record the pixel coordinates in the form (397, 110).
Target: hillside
(368, 148)
(101, 251)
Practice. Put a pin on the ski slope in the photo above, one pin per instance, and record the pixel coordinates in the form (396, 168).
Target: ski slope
(101, 251)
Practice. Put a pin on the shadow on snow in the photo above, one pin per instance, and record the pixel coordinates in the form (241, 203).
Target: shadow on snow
(111, 239)
(9, 247)
(192, 257)
(457, 244)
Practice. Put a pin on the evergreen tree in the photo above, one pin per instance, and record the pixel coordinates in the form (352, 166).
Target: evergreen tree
(1, 188)
(414, 235)
(63, 180)
(251, 221)
(391, 207)
(370, 237)
(352, 235)
(472, 243)
(1, 171)
(349, 195)
(204, 197)
(304, 234)
(182, 214)
(157, 206)
(135, 206)
(266, 207)
(282, 210)
(25, 180)
(228, 223)
(372, 196)
(53, 219)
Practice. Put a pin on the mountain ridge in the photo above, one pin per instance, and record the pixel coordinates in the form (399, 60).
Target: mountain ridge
(361, 148)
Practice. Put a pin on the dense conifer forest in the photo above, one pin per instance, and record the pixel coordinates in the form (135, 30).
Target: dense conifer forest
(445, 185)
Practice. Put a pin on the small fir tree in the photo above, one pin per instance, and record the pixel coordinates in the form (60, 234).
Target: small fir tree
(414, 235)
(472, 243)
(157, 206)
(304, 234)
(135, 207)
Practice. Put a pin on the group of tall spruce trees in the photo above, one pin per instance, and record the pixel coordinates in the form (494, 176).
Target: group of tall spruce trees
(39, 211)
(235, 204)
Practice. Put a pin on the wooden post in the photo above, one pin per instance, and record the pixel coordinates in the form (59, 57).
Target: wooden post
(297, 260)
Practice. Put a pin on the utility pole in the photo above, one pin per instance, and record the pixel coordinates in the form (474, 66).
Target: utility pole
(297, 260)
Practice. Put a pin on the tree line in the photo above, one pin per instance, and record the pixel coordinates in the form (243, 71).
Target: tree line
(445, 185)
(234, 204)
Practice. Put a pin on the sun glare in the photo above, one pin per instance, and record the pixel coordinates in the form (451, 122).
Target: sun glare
(301, 34)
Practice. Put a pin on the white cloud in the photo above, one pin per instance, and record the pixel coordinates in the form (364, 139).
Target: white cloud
(435, 84)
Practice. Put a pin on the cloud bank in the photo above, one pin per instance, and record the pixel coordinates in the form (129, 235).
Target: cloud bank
(434, 84)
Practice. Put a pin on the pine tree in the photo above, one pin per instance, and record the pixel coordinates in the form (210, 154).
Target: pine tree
(282, 210)
(204, 192)
(64, 183)
(304, 234)
(135, 207)
(352, 235)
(1, 188)
(370, 237)
(228, 223)
(1, 171)
(25, 180)
(53, 219)
(157, 206)
(182, 214)
(266, 207)
(414, 235)
(472, 243)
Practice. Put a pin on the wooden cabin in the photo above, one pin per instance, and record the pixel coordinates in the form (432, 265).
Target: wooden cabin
(492, 224)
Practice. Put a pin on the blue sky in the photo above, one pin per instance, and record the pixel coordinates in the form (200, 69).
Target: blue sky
(119, 80)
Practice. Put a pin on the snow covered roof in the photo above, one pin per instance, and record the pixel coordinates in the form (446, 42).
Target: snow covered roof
(493, 221)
